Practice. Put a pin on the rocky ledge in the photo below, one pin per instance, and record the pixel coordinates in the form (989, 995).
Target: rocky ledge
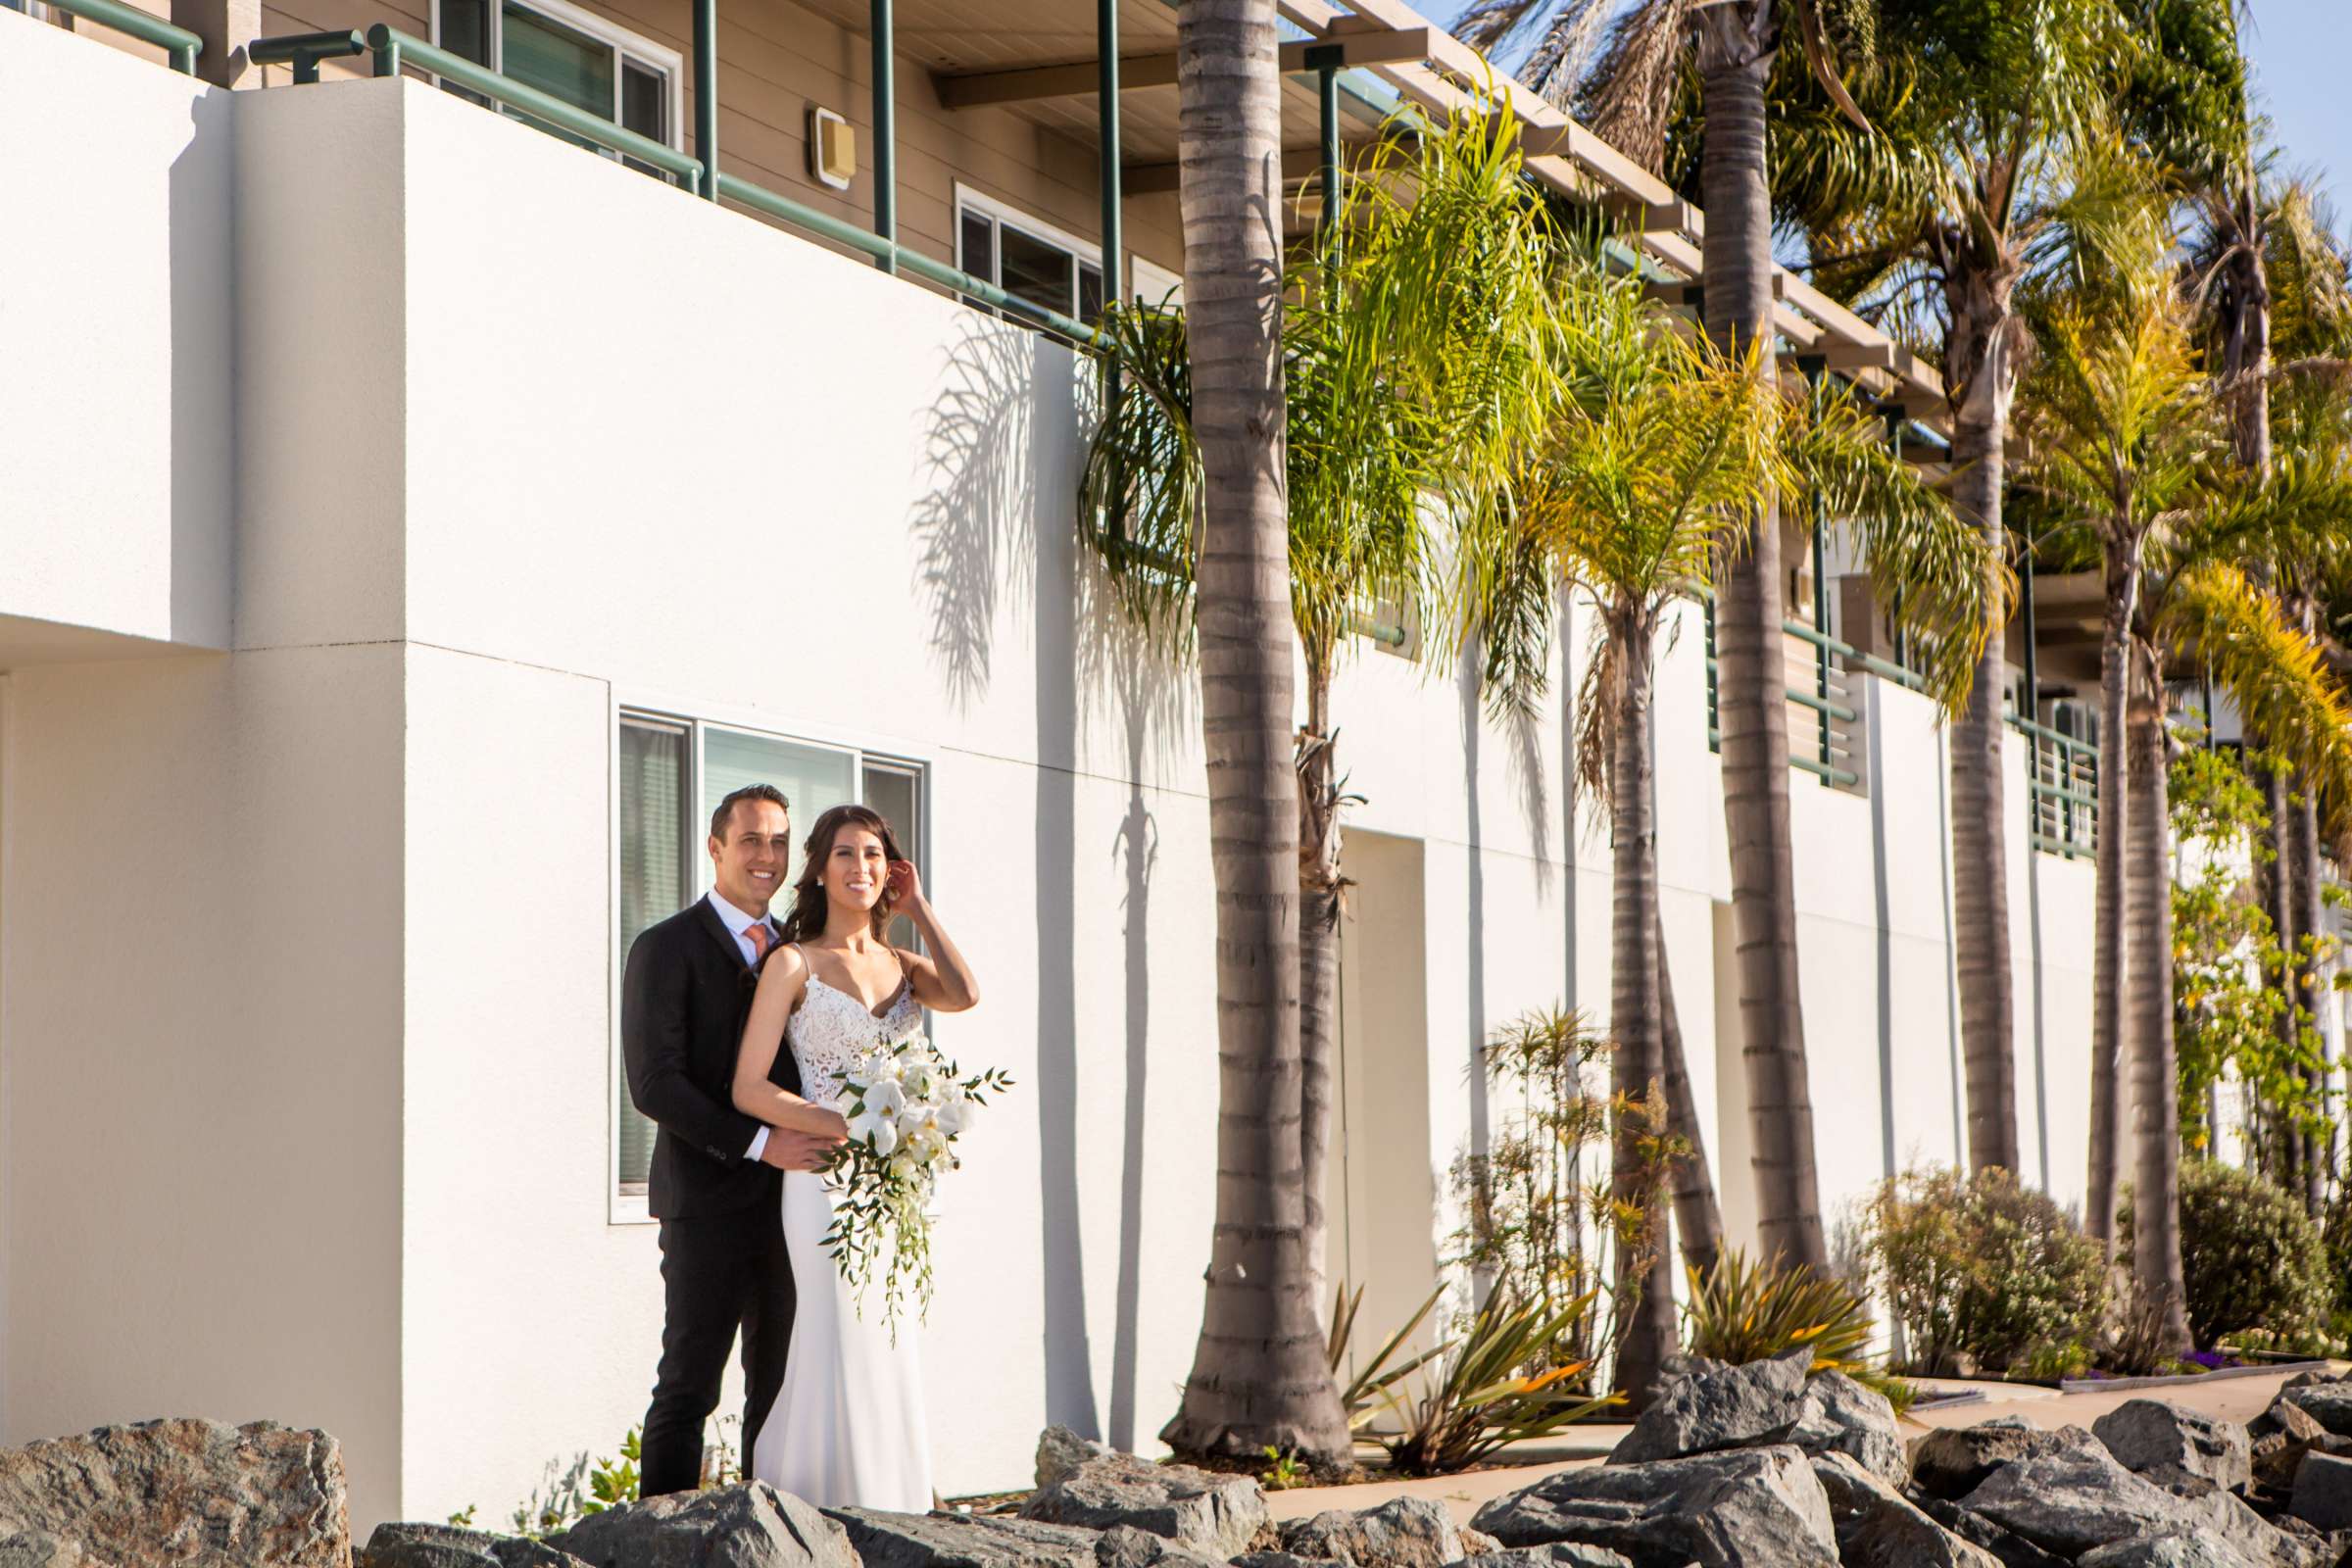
(1756, 1466)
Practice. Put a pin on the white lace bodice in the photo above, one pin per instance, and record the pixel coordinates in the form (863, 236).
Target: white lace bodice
(831, 1029)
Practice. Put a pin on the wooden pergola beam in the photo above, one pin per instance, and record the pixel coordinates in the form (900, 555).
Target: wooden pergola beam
(1298, 164)
(1079, 77)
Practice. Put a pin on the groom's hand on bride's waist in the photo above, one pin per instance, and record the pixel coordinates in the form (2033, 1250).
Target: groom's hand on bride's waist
(790, 1151)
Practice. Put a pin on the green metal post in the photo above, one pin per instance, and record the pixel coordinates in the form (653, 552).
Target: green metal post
(387, 54)
(1326, 85)
(1106, 92)
(886, 134)
(2030, 706)
(1821, 648)
(706, 93)
(1114, 232)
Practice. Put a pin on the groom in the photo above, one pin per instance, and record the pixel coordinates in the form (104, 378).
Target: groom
(713, 1184)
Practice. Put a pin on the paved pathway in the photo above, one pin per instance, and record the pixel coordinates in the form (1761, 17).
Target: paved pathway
(2231, 1398)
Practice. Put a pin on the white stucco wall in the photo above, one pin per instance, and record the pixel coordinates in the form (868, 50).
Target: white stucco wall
(114, 484)
(575, 442)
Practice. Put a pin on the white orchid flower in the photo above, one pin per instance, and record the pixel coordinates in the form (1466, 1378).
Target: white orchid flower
(955, 1114)
(885, 1098)
(902, 1169)
(877, 1132)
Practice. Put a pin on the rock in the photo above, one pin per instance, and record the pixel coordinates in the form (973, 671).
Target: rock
(420, 1545)
(38, 1548)
(1559, 1555)
(1060, 1451)
(1954, 1461)
(2156, 1437)
(1876, 1527)
(1747, 1508)
(2010, 1548)
(1401, 1533)
(963, 1541)
(1215, 1515)
(747, 1526)
(2078, 1499)
(1277, 1559)
(2322, 1491)
(1477, 1543)
(181, 1492)
(1841, 1416)
(2170, 1548)
(2329, 1403)
(2073, 1499)
(1125, 1547)
(1721, 1407)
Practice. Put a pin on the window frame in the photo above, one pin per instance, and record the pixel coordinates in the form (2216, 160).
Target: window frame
(1084, 252)
(864, 751)
(623, 43)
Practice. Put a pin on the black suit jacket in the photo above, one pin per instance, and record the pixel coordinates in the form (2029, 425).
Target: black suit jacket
(683, 1001)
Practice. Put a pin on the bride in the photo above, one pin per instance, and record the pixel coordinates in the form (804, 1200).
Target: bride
(848, 1430)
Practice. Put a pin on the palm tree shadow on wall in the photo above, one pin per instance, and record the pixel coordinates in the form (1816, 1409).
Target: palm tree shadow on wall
(1138, 686)
(1000, 450)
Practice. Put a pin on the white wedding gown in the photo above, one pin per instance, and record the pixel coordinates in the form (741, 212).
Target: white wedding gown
(848, 1429)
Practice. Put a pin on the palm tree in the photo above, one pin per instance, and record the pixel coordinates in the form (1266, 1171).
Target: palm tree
(1412, 354)
(1639, 492)
(1629, 97)
(2130, 441)
(1935, 222)
(1260, 1376)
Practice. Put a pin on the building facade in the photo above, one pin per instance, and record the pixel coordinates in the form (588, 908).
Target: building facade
(419, 521)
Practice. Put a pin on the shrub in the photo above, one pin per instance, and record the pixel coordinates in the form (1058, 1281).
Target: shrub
(1479, 1400)
(1741, 1311)
(1982, 1273)
(2250, 1257)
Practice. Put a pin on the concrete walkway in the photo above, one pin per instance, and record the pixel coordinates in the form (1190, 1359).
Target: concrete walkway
(2231, 1398)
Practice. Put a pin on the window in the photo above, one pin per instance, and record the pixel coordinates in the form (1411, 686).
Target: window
(569, 53)
(1026, 258)
(672, 773)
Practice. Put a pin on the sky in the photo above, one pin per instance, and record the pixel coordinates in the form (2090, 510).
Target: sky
(2301, 51)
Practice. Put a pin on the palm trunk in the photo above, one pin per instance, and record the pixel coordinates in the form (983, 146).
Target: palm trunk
(1734, 56)
(2156, 1082)
(1259, 1379)
(2245, 309)
(1979, 859)
(2107, 1030)
(2303, 844)
(2280, 1147)
(1319, 886)
(1697, 1216)
(1645, 1272)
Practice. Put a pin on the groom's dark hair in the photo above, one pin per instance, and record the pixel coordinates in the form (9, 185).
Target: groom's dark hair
(750, 792)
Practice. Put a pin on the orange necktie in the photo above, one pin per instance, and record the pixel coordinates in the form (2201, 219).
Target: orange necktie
(757, 935)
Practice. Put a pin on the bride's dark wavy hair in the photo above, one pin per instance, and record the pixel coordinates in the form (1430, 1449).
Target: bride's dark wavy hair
(808, 916)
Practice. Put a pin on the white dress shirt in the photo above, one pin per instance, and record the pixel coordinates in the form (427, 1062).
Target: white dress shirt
(737, 923)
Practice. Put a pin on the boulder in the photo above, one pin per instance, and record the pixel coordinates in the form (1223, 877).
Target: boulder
(181, 1492)
(2323, 1495)
(963, 1541)
(1401, 1533)
(420, 1545)
(1876, 1527)
(2169, 1548)
(1747, 1508)
(1954, 1461)
(1476, 1542)
(1720, 1408)
(2329, 1403)
(1559, 1555)
(2158, 1438)
(1060, 1451)
(2008, 1547)
(1841, 1416)
(2078, 1499)
(2072, 1500)
(38, 1548)
(1125, 1547)
(747, 1526)
(1215, 1515)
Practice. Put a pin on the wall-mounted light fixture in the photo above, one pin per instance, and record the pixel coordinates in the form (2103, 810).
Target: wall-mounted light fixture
(832, 148)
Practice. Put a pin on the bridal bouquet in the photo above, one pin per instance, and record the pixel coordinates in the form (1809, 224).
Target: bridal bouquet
(906, 1106)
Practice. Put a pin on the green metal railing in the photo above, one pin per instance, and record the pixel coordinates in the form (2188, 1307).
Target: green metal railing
(1832, 719)
(393, 49)
(180, 46)
(2062, 785)
(2062, 771)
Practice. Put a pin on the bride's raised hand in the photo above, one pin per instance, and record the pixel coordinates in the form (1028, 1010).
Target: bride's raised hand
(906, 885)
